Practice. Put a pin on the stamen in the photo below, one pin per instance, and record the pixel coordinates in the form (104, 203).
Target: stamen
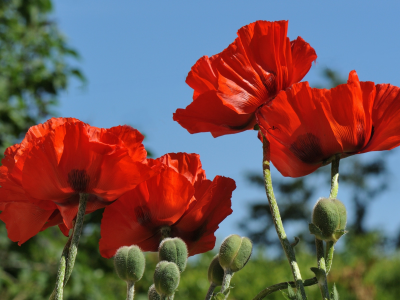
(78, 180)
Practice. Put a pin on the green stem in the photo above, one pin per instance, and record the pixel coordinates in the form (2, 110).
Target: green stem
(329, 255)
(322, 280)
(76, 235)
(276, 217)
(335, 176)
(130, 291)
(282, 286)
(210, 291)
(227, 280)
(58, 290)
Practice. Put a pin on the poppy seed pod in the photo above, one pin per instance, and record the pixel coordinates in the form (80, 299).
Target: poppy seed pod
(152, 294)
(329, 219)
(215, 272)
(129, 263)
(235, 252)
(166, 278)
(174, 250)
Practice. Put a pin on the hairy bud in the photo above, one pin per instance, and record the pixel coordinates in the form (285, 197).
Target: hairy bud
(174, 250)
(235, 252)
(329, 219)
(152, 294)
(129, 263)
(166, 278)
(215, 272)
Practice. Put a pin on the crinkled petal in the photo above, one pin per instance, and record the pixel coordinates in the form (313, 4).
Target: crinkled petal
(23, 220)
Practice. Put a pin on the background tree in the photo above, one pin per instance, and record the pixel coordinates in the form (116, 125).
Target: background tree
(35, 66)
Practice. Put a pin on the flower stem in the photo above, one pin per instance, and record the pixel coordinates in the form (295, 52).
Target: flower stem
(282, 286)
(130, 290)
(335, 176)
(58, 290)
(321, 276)
(329, 255)
(210, 291)
(276, 217)
(227, 280)
(76, 235)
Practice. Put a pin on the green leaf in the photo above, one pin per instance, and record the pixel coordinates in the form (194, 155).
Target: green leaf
(334, 293)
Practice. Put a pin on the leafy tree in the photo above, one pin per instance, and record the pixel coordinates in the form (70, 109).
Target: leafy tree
(35, 66)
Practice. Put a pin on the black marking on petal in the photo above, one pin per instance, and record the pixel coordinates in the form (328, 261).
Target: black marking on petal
(142, 214)
(307, 148)
(78, 180)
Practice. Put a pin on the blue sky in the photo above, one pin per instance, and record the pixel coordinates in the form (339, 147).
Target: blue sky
(136, 55)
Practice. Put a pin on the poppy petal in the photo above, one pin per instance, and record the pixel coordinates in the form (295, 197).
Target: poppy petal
(385, 118)
(315, 124)
(188, 165)
(26, 223)
(207, 113)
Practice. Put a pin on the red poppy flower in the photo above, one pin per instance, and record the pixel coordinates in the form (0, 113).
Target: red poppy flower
(179, 200)
(41, 178)
(230, 86)
(306, 127)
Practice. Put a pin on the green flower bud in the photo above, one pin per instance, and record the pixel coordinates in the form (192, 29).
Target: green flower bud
(152, 294)
(174, 250)
(329, 219)
(235, 252)
(166, 278)
(215, 272)
(129, 263)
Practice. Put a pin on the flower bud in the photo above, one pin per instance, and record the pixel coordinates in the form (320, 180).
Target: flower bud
(129, 263)
(329, 219)
(174, 250)
(166, 278)
(215, 272)
(152, 294)
(235, 252)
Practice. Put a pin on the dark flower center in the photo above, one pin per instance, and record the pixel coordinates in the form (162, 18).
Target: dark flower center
(307, 148)
(142, 214)
(78, 180)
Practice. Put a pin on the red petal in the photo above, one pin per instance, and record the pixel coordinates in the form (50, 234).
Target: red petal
(188, 165)
(206, 213)
(138, 214)
(315, 124)
(302, 57)
(230, 86)
(23, 220)
(385, 118)
(208, 113)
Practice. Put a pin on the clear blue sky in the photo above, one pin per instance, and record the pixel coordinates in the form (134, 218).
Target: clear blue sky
(136, 55)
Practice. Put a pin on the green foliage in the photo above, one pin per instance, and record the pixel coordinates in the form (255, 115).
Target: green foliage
(35, 69)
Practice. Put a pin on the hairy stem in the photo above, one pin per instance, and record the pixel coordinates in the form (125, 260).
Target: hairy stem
(329, 255)
(282, 286)
(276, 217)
(130, 290)
(76, 235)
(210, 291)
(58, 290)
(321, 276)
(335, 177)
(227, 280)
